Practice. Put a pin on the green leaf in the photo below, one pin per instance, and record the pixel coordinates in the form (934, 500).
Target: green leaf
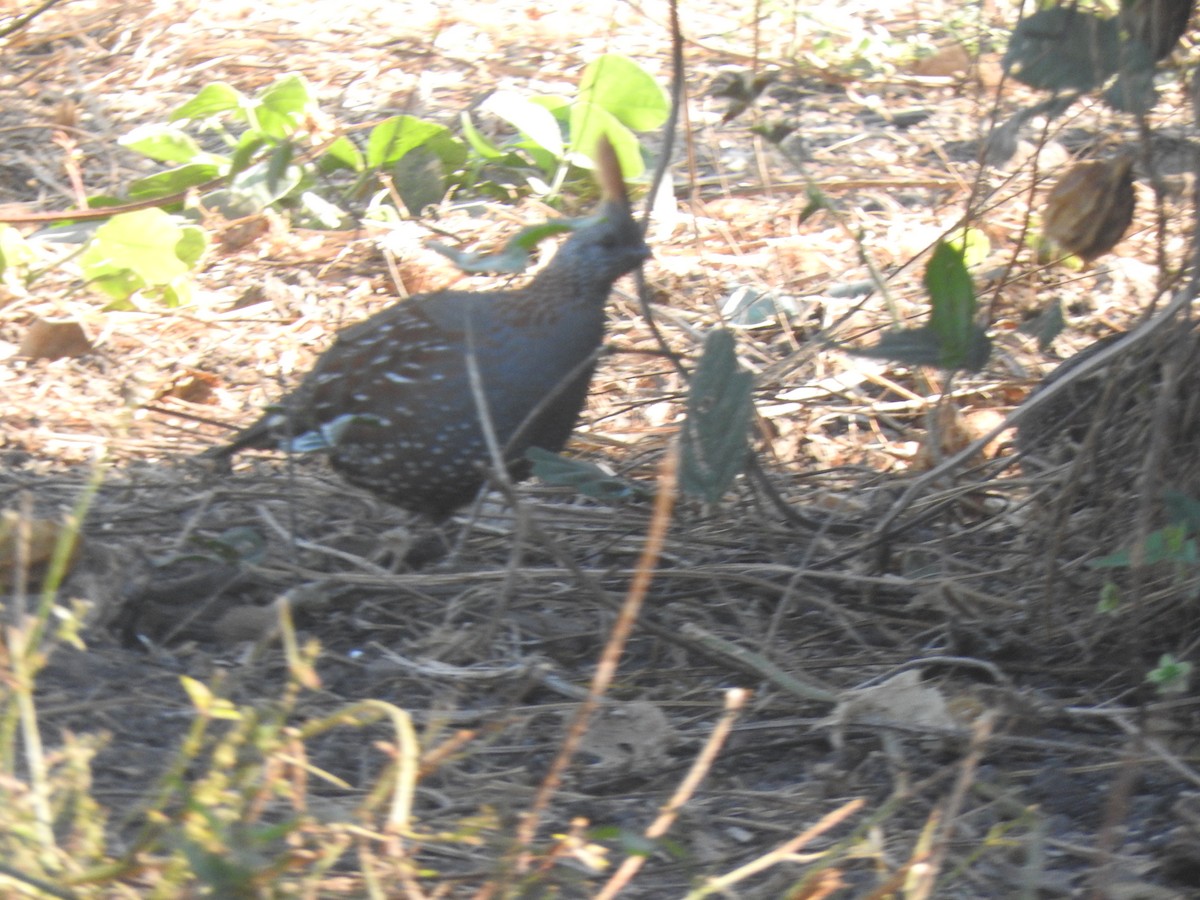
(282, 108)
(212, 100)
(972, 244)
(191, 245)
(1064, 49)
(1171, 676)
(1167, 544)
(139, 249)
(449, 149)
(619, 85)
(951, 293)
(962, 344)
(246, 152)
(588, 124)
(419, 179)
(173, 181)
(342, 154)
(1110, 599)
(515, 255)
(168, 144)
(261, 185)
(817, 201)
(279, 164)
(179, 291)
(15, 252)
(394, 137)
(478, 142)
(715, 431)
(534, 121)
(585, 477)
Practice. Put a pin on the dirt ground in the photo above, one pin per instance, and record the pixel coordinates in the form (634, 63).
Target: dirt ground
(937, 655)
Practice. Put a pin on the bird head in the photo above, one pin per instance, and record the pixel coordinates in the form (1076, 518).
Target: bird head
(609, 244)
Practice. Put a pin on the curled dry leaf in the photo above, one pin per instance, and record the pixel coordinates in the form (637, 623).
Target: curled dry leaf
(46, 339)
(1090, 208)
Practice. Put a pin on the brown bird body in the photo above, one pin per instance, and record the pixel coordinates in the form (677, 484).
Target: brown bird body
(396, 399)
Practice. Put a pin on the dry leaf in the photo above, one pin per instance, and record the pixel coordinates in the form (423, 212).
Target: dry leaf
(47, 339)
(1090, 208)
(902, 700)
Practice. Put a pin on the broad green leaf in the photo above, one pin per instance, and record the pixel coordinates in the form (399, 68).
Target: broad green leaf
(715, 431)
(478, 142)
(166, 143)
(513, 258)
(585, 477)
(972, 244)
(173, 181)
(534, 121)
(260, 185)
(588, 124)
(962, 344)
(1110, 599)
(142, 241)
(212, 100)
(15, 251)
(951, 294)
(626, 90)
(179, 291)
(279, 163)
(419, 179)
(392, 138)
(191, 245)
(558, 105)
(449, 149)
(282, 108)
(246, 152)
(136, 250)
(1171, 675)
(342, 154)
(1168, 544)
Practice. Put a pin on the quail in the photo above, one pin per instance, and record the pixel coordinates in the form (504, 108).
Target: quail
(399, 400)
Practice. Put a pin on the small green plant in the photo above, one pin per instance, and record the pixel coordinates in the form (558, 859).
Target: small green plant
(1174, 544)
(274, 151)
(146, 251)
(616, 98)
(952, 339)
(1170, 676)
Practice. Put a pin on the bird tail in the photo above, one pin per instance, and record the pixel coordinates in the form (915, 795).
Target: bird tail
(254, 437)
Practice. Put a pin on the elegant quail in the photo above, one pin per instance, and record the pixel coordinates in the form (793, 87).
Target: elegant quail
(396, 400)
